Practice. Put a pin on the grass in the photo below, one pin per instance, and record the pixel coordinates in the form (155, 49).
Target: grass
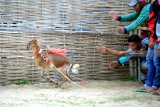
(137, 98)
(21, 82)
(74, 102)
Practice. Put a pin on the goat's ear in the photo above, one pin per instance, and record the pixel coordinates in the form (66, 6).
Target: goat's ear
(37, 42)
(34, 39)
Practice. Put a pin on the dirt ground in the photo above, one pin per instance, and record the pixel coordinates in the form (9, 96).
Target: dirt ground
(94, 94)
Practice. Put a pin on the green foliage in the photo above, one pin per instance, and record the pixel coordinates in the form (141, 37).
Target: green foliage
(21, 82)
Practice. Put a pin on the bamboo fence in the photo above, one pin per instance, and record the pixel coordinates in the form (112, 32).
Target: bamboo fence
(77, 25)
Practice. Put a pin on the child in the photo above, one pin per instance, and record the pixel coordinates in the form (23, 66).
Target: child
(135, 45)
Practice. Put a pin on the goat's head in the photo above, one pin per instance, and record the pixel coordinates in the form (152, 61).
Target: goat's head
(33, 43)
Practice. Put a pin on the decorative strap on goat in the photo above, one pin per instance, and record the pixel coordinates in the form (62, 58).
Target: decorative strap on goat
(45, 57)
(43, 54)
(36, 54)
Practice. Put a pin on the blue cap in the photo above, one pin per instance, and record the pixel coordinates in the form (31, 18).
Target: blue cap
(134, 2)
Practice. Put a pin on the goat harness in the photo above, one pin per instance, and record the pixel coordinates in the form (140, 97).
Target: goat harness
(43, 54)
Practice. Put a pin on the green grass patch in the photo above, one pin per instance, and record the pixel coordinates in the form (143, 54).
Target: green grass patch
(21, 82)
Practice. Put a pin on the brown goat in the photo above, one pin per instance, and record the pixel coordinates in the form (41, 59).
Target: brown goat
(53, 60)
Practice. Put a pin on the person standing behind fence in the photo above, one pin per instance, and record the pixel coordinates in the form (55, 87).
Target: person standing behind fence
(153, 55)
(138, 17)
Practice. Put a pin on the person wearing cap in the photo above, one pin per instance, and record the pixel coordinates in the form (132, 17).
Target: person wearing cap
(138, 17)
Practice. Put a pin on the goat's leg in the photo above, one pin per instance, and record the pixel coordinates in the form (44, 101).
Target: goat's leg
(48, 77)
(43, 74)
(65, 82)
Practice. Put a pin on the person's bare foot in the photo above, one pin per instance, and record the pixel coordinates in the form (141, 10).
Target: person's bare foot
(144, 88)
(149, 89)
(152, 91)
(158, 93)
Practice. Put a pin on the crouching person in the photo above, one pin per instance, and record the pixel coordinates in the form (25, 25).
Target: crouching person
(135, 46)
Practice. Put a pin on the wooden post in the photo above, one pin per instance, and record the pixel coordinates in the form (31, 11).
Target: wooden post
(133, 68)
(139, 68)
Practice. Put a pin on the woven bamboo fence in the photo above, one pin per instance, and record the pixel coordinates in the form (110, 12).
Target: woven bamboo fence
(77, 25)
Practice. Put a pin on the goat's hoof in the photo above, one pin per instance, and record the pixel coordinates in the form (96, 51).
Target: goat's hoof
(56, 86)
(56, 83)
(52, 81)
(64, 85)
